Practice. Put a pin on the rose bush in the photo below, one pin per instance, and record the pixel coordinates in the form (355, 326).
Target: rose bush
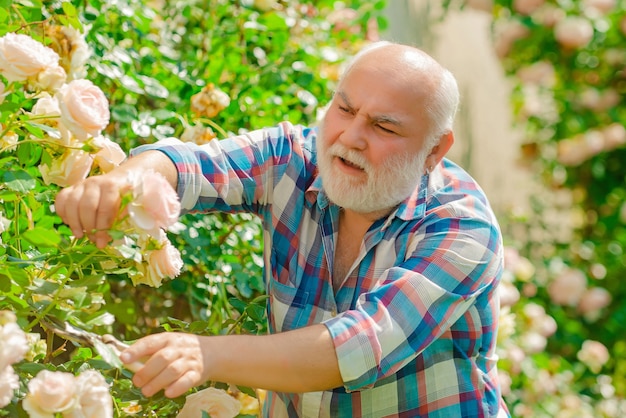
(77, 90)
(565, 355)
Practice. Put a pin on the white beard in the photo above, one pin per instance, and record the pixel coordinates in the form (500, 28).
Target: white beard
(383, 189)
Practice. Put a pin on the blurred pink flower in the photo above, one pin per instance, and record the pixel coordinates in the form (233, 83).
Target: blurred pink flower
(154, 204)
(527, 7)
(50, 393)
(593, 300)
(73, 166)
(110, 154)
(540, 73)
(93, 397)
(598, 7)
(573, 32)
(505, 35)
(568, 288)
(84, 108)
(13, 344)
(594, 354)
(9, 383)
(22, 57)
(216, 402)
(509, 295)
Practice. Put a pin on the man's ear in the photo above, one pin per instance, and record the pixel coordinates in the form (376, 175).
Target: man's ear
(439, 150)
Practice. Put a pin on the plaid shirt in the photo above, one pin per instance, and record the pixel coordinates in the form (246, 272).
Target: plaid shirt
(414, 325)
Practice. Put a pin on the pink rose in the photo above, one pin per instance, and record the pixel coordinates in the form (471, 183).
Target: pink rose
(110, 154)
(216, 402)
(160, 263)
(9, 383)
(154, 204)
(594, 354)
(49, 393)
(84, 108)
(13, 344)
(22, 57)
(573, 32)
(94, 398)
(568, 288)
(73, 166)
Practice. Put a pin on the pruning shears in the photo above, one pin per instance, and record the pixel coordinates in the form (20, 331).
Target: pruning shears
(106, 345)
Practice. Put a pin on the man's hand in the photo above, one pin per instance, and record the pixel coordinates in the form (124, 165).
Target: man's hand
(175, 362)
(91, 206)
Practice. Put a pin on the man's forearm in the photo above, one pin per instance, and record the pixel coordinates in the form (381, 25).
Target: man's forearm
(155, 160)
(302, 360)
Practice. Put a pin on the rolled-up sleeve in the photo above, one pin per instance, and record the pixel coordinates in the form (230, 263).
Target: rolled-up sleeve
(450, 262)
(234, 174)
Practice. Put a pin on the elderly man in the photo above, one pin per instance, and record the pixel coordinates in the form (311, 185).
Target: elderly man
(382, 258)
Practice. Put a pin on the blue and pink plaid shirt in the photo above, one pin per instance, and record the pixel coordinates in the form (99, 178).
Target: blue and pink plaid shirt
(414, 325)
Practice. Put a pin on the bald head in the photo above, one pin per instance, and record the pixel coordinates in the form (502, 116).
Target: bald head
(432, 85)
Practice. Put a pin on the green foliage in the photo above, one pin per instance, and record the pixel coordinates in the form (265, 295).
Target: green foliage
(150, 58)
(565, 60)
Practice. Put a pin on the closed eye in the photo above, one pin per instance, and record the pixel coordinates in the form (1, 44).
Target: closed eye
(389, 131)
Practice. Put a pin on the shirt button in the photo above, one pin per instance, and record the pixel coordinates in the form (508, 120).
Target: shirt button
(333, 312)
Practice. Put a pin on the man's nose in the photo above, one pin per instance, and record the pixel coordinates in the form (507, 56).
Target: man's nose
(355, 134)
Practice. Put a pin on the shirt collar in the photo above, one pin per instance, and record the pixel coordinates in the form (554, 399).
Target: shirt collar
(413, 207)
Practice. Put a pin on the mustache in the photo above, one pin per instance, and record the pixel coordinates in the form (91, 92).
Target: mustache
(351, 156)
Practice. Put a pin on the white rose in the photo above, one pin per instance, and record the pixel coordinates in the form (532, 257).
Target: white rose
(51, 79)
(9, 383)
(216, 402)
(94, 398)
(22, 57)
(13, 344)
(110, 154)
(50, 393)
(79, 52)
(84, 108)
(158, 264)
(73, 166)
(48, 112)
(573, 32)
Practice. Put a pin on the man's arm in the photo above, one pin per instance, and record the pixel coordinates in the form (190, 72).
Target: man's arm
(302, 360)
(90, 207)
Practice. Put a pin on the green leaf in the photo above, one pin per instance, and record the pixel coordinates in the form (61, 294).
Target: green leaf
(18, 275)
(5, 283)
(42, 237)
(19, 181)
(108, 353)
(238, 304)
(124, 113)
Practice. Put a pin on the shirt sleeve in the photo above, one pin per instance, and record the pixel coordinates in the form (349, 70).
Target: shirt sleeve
(237, 173)
(451, 262)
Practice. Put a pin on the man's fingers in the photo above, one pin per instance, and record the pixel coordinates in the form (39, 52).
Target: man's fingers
(66, 205)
